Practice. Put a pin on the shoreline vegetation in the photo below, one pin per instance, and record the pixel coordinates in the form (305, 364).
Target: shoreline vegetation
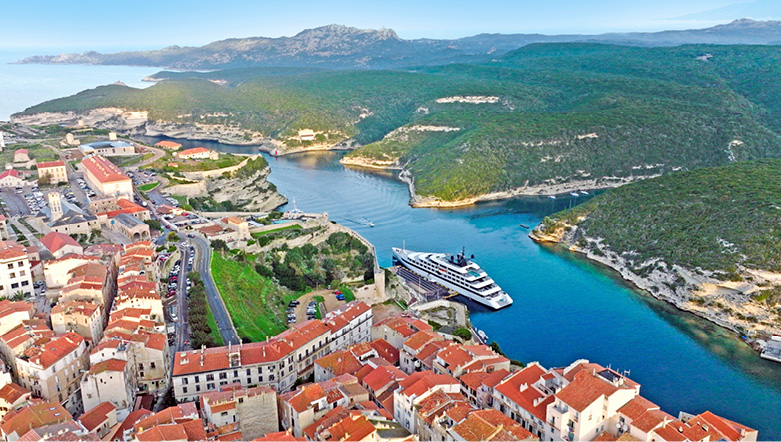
(542, 119)
(704, 241)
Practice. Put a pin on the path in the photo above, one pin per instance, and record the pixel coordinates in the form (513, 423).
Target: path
(220, 312)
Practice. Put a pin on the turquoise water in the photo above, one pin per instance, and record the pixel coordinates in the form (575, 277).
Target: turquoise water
(565, 306)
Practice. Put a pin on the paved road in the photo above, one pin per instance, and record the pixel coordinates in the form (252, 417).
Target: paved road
(203, 266)
(182, 330)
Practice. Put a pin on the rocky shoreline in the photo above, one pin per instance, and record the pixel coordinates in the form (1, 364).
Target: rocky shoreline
(420, 201)
(662, 285)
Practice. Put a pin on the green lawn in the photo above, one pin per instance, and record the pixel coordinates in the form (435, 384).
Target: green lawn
(292, 226)
(255, 303)
(225, 160)
(148, 186)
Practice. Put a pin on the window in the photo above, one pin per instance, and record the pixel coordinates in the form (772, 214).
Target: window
(22, 273)
(223, 375)
(12, 275)
(197, 388)
(260, 378)
(19, 264)
(24, 283)
(14, 285)
(210, 386)
(11, 266)
(184, 389)
(197, 378)
(152, 365)
(224, 413)
(185, 381)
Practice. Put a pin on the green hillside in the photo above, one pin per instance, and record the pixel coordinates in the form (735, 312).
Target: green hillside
(562, 112)
(715, 219)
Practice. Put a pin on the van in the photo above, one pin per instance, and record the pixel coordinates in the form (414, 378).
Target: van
(19, 190)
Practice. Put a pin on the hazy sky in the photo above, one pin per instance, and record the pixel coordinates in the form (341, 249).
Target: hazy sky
(89, 24)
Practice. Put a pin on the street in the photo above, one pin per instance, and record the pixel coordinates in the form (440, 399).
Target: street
(202, 265)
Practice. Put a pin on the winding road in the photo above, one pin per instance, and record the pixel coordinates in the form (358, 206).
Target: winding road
(202, 264)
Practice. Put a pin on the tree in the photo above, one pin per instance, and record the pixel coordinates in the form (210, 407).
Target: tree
(219, 245)
(154, 224)
(463, 333)
(172, 237)
(44, 180)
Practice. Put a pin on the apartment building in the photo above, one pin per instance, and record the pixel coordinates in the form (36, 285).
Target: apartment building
(15, 272)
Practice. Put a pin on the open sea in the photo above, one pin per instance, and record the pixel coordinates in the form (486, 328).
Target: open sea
(565, 306)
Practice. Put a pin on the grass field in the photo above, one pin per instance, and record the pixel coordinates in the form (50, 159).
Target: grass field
(255, 303)
(148, 186)
(293, 226)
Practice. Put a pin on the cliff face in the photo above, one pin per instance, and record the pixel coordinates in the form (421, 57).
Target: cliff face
(729, 304)
(251, 194)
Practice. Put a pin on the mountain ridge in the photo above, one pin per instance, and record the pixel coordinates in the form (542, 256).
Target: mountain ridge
(343, 47)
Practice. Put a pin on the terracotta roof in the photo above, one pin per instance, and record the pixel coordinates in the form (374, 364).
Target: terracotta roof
(11, 250)
(193, 151)
(423, 381)
(8, 308)
(404, 324)
(421, 338)
(217, 358)
(34, 416)
(125, 206)
(11, 392)
(97, 415)
(584, 390)
(84, 308)
(382, 377)
(282, 436)
(10, 172)
(47, 164)
(102, 169)
(54, 241)
(385, 350)
(731, 430)
(511, 388)
(303, 333)
(130, 421)
(644, 414)
(438, 403)
(340, 362)
(491, 425)
(108, 365)
(168, 144)
(351, 428)
(47, 353)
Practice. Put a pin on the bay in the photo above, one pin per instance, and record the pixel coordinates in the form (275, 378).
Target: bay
(565, 306)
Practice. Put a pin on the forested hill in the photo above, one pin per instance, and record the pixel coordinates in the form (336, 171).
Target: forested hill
(343, 47)
(707, 240)
(545, 115)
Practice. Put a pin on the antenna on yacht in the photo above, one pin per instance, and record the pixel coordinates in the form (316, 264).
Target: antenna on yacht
(404, 244)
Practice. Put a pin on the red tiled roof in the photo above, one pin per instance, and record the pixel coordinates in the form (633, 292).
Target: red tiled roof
(108, 365)
(511, 388)
(584, 390)
(11, 392)
(217, 358)
(97, 415)
(340, 362)
(46, 164)
(34, 416)
(11, 250)
(193, 151)
(168, 144)
(382, 377)
(102, 169)
(47, 353)
(10, 172)
(54, 241)
(282, 436)
(491, 425)
(422, 381)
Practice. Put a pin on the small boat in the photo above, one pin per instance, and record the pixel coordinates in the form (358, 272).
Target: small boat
(524, 226)
(371, 224)
(482, 335)
(553, 197)
(575, 194)
(583, 192)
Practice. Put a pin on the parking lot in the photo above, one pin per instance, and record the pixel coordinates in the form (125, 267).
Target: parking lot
(31, 200)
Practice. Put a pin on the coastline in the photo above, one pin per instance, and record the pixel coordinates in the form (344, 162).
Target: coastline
(657, 285)
(419, 201)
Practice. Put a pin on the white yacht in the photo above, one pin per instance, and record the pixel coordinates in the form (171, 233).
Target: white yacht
(456, 273)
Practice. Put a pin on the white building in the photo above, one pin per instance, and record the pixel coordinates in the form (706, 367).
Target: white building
(15, 272)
